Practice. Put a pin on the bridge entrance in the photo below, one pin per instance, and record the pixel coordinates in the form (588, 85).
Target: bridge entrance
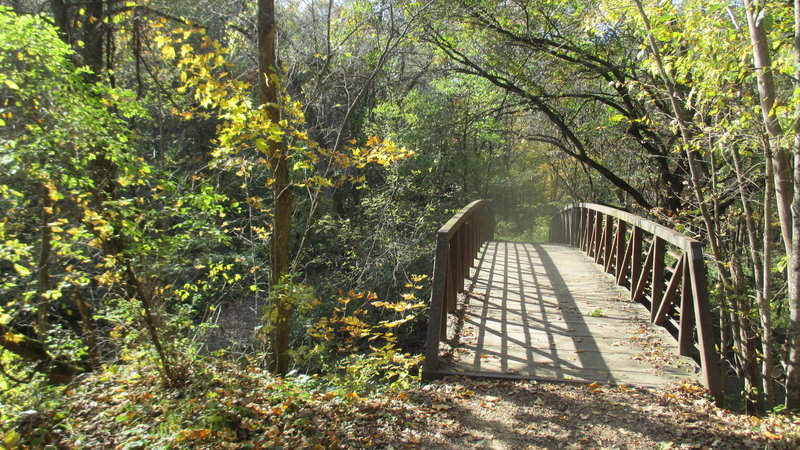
(547, 311)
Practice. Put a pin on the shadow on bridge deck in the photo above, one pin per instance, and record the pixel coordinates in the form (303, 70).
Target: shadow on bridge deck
(546, 311)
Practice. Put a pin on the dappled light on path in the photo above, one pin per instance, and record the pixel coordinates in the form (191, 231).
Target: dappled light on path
(546, 311)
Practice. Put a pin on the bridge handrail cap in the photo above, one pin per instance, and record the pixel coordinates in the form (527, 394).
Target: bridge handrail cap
(667, 234)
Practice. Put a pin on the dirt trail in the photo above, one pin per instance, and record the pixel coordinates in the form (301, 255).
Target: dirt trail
(471, 413)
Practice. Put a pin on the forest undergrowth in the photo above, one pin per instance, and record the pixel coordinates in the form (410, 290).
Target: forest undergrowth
(227, 404)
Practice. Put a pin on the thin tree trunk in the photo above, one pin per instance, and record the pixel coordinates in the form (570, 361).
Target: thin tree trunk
(724, 344)
(43, 301)
(61, 19)
(747, 344)
(766, 295)
(151, 324)
(694, 169)
(88, 328)
(793, 275)
(758, 273)
(766, 91)
(793, 333)
(281, 309)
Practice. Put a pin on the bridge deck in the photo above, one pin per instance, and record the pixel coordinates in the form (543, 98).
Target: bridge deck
(546, 311)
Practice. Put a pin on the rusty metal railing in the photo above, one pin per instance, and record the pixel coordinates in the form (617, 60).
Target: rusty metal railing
(662, 268)
(457, 244)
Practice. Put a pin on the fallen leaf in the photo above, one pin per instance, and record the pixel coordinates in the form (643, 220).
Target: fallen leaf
(773, 436)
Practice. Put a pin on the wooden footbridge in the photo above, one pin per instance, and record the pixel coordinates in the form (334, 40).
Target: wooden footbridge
(613, 298)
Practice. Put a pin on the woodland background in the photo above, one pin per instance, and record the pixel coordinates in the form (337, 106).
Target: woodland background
(162, 159)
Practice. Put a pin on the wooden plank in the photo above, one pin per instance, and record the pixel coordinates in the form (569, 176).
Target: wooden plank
(601, 239)
(468, 241)
(589, 228)
(596, 234)
(619, 248)
(695, 317)
(454, 224)
(657, 282)
(457, 241)
(641, 282)
(437, 316)
(608, 229)
(610, 238)
(450, 292)
(534, 316)
(636, 255)
(476, 240)
(686, 328)
(445, 272)
(574, 227)
(624, 268)
(709, 358)
(668, 300)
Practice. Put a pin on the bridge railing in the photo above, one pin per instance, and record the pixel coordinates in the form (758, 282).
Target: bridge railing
(663, 269)
(457, 244)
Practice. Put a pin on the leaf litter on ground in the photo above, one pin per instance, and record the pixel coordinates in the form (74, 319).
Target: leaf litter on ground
(230, 406)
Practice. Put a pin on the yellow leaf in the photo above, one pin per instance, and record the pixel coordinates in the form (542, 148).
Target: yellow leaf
(13, 337)
(168, 52)
(186, 49)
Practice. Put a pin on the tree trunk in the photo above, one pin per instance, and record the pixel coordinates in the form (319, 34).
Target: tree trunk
(793, 333)
(56, 370)
(61, 19)
(766, 92)
(151, 323)
(43, 300)
(281, 309)
(793, 275)
(756, 256)
(768, 346)
(748, 341)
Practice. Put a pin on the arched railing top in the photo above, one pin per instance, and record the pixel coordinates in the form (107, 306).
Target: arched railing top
(668, 234)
